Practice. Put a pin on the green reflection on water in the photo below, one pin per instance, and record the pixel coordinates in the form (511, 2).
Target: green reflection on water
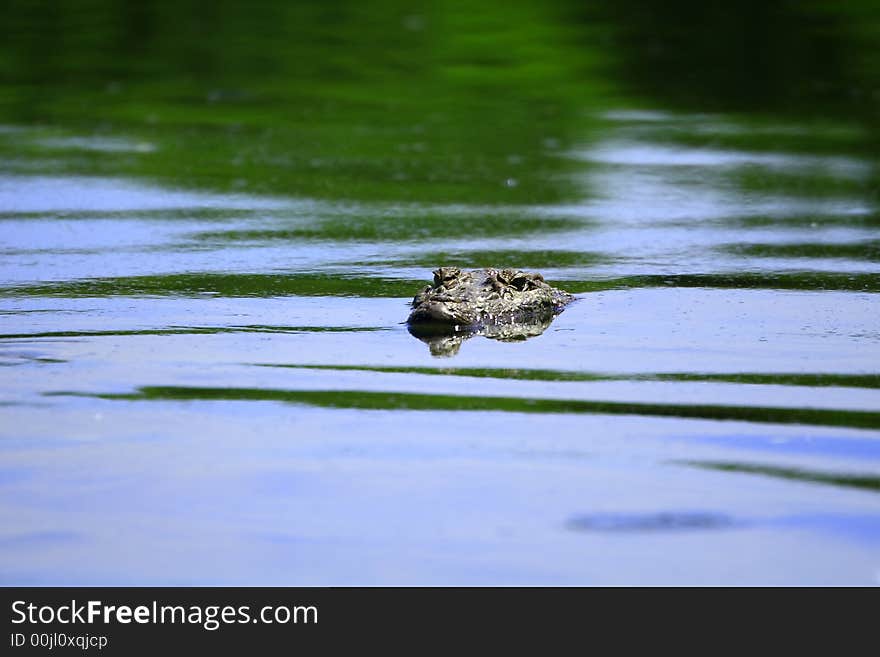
(435, 100)
(868, 250)
(319, 284)
(399, 228)
(498, 258)
(864, 482)
(386, 100)
(229, 285)
(798, 58)
(786, 379)
(177, 214)
(806, 280)
(370, 400)
(762, 132)
(802, 184)
(191, 330)
(867, 220)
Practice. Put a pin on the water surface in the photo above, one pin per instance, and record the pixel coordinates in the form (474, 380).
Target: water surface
(208, 246)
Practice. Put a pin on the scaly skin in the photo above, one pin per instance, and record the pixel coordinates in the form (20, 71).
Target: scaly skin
(473, 300)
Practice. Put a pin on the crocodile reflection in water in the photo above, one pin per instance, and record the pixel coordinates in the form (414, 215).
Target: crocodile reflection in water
(448, 344)
(501, 304)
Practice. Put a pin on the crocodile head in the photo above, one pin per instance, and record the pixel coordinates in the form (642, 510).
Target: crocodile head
(468, 300)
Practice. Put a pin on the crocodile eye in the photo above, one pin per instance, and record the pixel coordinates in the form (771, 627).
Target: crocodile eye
(520, 281)
(508, 275)
(444, 274)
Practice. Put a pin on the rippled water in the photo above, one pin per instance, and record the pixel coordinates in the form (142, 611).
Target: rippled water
(207, 378)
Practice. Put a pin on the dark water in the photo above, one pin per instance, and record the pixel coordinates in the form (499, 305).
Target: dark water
(212, 218)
